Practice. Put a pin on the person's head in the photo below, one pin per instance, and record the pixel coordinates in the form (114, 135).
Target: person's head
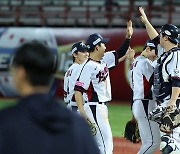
(96, 43)
(79, 52)
(169, 35)
(33, 65)
(149, 50)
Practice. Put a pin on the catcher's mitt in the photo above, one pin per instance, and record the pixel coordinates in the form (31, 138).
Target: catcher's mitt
(170, 120)
(92, 127)
(131, 132)
(157, 114)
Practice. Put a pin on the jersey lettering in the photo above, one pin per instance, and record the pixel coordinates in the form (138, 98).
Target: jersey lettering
(102, 75)
(69, 73)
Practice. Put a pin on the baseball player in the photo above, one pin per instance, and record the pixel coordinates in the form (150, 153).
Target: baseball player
(80, 54)
(94, 81)
(167, 70)
(141, 77)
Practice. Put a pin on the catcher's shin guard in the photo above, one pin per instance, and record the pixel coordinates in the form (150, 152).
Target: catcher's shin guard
(168, 145)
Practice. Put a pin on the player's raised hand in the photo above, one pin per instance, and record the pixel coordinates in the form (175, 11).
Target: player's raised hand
(150, 29)
(129, 30)
(130, 54)
(143, 16)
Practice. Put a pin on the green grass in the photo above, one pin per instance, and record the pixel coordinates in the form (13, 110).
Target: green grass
(6, 102)
(118, 115)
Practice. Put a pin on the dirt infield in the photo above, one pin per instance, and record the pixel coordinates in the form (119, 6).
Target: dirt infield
(122, 146)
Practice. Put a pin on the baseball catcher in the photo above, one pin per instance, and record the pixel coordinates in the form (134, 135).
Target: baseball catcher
(131, 132)
(166, 86)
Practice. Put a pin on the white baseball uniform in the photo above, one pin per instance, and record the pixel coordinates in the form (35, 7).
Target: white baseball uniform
(94, 81)
(70, 78)
(141, 76)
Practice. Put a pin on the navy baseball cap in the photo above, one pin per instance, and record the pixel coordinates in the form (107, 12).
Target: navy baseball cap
(149, 43)
(94, 39)
(79, 46)
(171, 31)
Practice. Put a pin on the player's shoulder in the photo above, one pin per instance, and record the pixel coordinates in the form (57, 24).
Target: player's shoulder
(141, 60)
(92, 66)
(90, 63)
(177, 51)
(109, 52)
(74, 65)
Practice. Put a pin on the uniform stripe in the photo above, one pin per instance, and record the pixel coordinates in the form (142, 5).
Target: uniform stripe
(92, 94)
(146, 104)
(147, 88)
(151, 136)
(78, 88)
(93, 110)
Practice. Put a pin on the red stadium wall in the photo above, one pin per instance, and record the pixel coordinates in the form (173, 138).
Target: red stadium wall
(64, 38)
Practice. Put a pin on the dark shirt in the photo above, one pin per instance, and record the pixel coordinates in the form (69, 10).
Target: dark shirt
(123, 48)
(39, 124)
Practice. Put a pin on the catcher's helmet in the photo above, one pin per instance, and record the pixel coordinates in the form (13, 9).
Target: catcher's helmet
(171, 31)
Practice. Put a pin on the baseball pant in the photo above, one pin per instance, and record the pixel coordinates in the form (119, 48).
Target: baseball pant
(149, 130)
(98, 114)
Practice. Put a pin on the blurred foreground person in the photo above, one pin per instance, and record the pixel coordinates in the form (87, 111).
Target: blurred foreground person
(39, 124)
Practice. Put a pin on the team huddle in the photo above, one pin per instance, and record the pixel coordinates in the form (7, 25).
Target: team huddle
(155, 105)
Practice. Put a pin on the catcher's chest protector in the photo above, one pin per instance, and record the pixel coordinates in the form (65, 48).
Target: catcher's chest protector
(162, 83)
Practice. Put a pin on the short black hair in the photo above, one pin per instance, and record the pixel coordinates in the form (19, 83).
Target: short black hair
(38, 62)
(76, 52)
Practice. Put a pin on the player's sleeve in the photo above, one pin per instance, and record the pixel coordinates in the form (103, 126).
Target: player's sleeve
(111, 58)
(174, 69)
(156, 40)
(123, 48)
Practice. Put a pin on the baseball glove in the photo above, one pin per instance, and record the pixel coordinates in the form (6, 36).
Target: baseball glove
(170, 120)
(131, 132)
(157, 114)
(92, 127)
